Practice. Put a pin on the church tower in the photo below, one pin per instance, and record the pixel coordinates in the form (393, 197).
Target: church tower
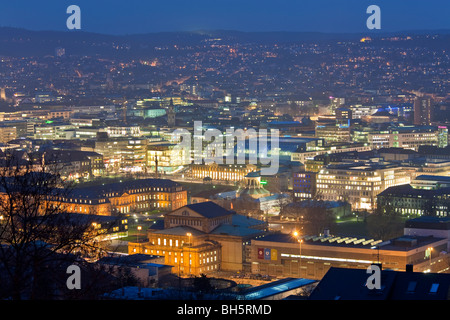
(171, 115)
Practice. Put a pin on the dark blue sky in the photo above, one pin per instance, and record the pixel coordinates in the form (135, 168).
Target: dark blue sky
(141, 16)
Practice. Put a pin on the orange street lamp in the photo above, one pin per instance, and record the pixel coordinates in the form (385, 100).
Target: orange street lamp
(139, 228)
(300, 241)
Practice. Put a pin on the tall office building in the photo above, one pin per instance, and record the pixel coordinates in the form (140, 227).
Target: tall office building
(422, 111)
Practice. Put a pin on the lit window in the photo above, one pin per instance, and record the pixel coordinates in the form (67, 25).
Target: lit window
(434, 287)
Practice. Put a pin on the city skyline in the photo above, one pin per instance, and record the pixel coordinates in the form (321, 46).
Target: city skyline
(224, 150)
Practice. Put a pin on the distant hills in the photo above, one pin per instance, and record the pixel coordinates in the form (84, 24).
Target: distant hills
(22, 42)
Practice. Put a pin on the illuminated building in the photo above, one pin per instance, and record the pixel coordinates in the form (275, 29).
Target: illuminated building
(222, 172)
(335, 103)
(168, 156)
(54, 130)
(360, 111)
(442, 137)
(252, 187)
(7, 133)
(344, 113)
(407, 200)
(75, 164)
(252, 198)
(304, 155)
(333, 133)
(438, 227)
(422, 111)
(430, 182)
(201, 238)
(108, 227)
(128, 131)
(44, 97)
(84, 122)
(358, 183)
(407, 137)
(135, 196)
(123, 154)
(160, 102)
(146, 269)
(304, 185)
(283, 256)
(148, 112)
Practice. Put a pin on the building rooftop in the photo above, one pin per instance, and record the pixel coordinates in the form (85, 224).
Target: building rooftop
(363, 166)
(317, 203)
(245, 221)
(433, 178)
(100, 191)
(235, 230)
(407, 189)
(209, 209)
(274, 288)
(349, 284)
(180, 231)
(129, 260)
(403, 243)
(429, 222)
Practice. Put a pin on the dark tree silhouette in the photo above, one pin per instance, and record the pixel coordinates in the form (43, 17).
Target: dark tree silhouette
(38, 239)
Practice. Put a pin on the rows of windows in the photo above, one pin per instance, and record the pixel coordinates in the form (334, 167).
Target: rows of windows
(186, 222)
(302, 195)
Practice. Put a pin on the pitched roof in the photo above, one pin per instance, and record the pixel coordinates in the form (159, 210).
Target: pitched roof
(408, 190)
(350, 284)
(429, 222)
(100, 191)
(209, 209)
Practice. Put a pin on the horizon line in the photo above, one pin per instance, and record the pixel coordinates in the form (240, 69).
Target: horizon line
(371, 32)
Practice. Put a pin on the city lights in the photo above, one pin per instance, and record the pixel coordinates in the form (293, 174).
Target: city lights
(237, 150)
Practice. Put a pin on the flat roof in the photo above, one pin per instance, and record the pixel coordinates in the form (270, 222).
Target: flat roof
(425, 222)
(403, 243)
(180, 231)
(433, 178)
(276, 287)
(235, 230)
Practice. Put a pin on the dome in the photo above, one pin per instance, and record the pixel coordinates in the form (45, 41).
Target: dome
(253, 174)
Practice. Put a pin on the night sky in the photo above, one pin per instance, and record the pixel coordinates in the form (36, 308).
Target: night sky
(143, 16)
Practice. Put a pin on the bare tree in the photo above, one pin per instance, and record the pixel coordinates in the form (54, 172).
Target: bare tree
(37, 235)
(385, 222)
(312, 219)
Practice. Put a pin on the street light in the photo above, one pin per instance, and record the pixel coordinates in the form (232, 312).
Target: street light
(297, 235)
(139, 228)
